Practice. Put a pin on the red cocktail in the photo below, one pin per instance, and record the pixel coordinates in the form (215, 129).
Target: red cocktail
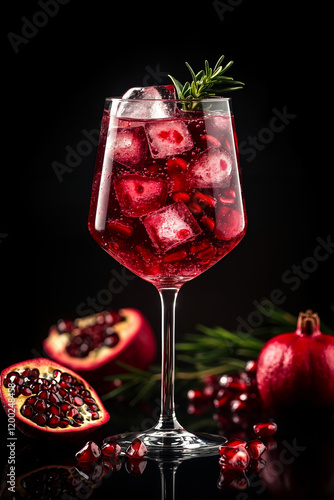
(167, 204)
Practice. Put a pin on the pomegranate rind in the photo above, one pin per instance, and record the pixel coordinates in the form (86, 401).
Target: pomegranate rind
(136, 347)
(27, 426)
(296, 370)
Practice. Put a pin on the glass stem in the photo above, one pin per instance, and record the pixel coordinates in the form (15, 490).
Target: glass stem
(168, 419)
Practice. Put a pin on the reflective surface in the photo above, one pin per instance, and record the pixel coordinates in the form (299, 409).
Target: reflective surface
(299, 465)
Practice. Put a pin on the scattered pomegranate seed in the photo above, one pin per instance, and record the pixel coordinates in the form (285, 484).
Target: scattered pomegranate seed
(89, 453)
(137, 449)
(232, 479)
(256, 466)
(111, 449)
(255, 448)
(195, 395)
(265, 430)
(236, 458)
(135, 467)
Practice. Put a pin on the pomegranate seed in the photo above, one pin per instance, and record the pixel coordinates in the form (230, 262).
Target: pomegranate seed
(39, 419)
(178, 181)
(72, 412)
(13, 378)
(135, 467)
(54, 398)
(234, 480)
(89, 401)
(55, 410)
(251, 367)
(27, 411)
(181, 196)
(232, 443)
(84, 393)
(208, 222)
(34, 373)
(205, 199)
(200, 246)
(89, 453)
(63, 423)
(111, 449)
(255, 448)
(235, 458)
(177, 161)
(173, 257)
(232, 382)
(25, 372)
(31, 401)
(225, 200)
(195, 208)
(53, 421)
(40, 406)
(56, 373)
(35, 387)
(237, 405)
(43, 394)
(78, 401)
(213, 141)
(256, 466)
(65, 407)
(25, 391)
(93, 408)
(208, 253)
(195, 395)
(137, 449)
(64, 325)
(265, 429)
(120, 228)
(222, 399)
(94, 415)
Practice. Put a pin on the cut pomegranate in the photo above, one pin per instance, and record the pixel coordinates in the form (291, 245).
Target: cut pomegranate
(137, 449)
(39, 415)
(265, 430)
(89, 453)
(105, 337)
(236, 458)
(255, 448)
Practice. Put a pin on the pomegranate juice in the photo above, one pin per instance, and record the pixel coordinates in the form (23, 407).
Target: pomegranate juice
(167, 200)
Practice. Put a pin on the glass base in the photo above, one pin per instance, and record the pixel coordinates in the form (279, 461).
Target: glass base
(172, 444)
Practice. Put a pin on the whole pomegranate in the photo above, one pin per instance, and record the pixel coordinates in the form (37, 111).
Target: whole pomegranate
(297, 369)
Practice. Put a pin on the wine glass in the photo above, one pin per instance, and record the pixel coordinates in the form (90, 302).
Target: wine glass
(167, 204)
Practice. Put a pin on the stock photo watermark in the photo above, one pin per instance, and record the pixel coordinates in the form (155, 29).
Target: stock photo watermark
(223, 8)
(11, 439)
(293, 278)
(249, 148)
(31, 27)
(75, 154)
(116, 285)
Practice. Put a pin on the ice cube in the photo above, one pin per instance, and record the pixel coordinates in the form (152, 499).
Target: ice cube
(211, 168)
(168, 137)
(155, 108)
(171, 226)
(139, 195)
(127, 145)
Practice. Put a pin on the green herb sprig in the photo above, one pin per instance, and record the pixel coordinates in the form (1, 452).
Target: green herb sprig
(208, 82)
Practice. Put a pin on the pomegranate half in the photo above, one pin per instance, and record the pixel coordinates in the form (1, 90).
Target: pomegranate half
(93, 344)
(48, 400)
(296, 370)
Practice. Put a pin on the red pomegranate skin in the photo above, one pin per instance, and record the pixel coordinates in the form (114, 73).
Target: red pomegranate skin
(297, 369)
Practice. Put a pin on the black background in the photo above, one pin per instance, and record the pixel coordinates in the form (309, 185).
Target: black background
(54, 88)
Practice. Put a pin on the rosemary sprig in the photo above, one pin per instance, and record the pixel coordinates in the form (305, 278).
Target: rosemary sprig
(208, 82)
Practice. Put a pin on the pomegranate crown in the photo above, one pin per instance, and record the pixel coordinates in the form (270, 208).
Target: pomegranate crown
(308, 323)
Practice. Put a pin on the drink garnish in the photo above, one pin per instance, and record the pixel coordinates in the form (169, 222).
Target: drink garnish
(208, 82)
